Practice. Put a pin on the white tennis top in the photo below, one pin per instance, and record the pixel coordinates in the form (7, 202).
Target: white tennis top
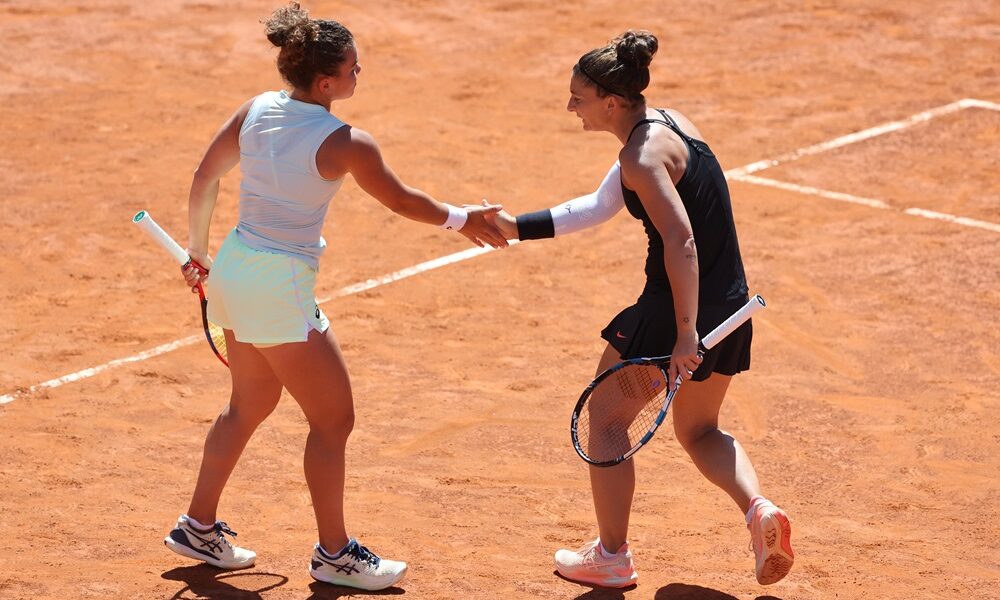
(283, 198)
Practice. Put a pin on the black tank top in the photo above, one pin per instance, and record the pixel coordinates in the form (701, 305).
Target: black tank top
(705, 195)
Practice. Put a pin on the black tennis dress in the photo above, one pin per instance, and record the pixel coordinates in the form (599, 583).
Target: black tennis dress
(648, 327)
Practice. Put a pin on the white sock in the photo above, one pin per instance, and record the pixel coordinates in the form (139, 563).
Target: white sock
(197, 524)
(338, 553)
(604, 551)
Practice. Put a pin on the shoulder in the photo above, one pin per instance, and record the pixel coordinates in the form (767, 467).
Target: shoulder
(350, 140)
(639, 155)
(346, 149)
(244, 108)
(685, 124)
(240, 116)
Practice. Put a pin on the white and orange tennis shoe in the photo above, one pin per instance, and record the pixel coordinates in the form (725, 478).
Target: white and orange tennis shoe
(209, 545)
(771, 540)
(589, 565)
(355, 566)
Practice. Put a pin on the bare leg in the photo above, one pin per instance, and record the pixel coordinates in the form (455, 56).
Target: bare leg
(718, 456)
(256, 391)
(315, 374)
(612, 487)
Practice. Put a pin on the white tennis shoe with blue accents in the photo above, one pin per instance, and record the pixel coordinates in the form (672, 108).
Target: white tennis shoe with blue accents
(355, 566)
(209, 545)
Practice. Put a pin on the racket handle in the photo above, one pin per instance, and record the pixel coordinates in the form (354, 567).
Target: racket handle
(734, 322)
(146, 223)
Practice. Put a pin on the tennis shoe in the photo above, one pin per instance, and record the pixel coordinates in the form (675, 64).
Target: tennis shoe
(589, 565)
(210, 546)
(355, 566)
(771, 541)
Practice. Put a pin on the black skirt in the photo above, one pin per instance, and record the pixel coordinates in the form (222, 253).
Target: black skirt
(648, 328)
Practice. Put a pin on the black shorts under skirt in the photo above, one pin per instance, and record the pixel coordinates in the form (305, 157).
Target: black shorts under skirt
(648, 328)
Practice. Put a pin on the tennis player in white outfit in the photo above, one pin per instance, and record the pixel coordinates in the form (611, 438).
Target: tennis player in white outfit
(293, 155)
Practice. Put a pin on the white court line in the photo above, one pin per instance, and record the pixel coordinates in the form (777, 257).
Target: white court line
(805, 189)
(931, 214)
(917, 212)
(163, 349)
(973, 103)
(865, 134)
(738, 173)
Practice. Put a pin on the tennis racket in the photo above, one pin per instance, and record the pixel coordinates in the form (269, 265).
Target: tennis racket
(620, 410)
(213, 333)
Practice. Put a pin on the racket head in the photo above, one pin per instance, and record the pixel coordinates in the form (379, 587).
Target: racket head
(213, 333)
(620, 410)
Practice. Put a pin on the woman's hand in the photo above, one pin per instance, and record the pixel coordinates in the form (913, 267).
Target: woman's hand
(685, 358)
(196, 271)
(480, 229)
(504, 222)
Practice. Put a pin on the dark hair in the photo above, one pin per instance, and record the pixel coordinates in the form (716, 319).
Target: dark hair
(621, 67)
(309, 47)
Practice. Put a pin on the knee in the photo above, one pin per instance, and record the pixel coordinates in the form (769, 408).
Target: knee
(336, 423)
(689, 437)
(248, 416)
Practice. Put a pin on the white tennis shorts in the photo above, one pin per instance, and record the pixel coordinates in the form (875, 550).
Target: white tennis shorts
(265, 298)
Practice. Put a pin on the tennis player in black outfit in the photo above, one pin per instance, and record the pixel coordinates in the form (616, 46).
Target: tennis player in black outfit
(669, 179)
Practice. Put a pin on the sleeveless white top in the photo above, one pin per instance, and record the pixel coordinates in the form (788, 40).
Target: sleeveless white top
(283, 198)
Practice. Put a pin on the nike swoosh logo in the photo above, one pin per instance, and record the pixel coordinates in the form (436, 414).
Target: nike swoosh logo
(620, 336)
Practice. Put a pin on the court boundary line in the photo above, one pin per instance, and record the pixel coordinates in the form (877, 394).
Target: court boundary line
(356, 288)
(864, 134)
(869, 202)
(739, 174)
(745, 174)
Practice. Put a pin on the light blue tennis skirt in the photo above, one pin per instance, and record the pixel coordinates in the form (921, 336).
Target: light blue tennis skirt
(265, 298)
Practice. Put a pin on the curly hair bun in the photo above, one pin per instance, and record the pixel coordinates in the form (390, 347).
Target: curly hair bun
(291, 25)
(636, 48)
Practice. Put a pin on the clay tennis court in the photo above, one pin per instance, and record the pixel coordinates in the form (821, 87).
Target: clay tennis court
(870, 410)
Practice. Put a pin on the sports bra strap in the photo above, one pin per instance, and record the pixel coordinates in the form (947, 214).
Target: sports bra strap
(669, 122)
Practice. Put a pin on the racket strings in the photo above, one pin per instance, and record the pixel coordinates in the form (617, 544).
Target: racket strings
(218, 339)
(620, 411)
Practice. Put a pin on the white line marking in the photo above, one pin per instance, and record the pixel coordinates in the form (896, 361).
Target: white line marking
(917, 212)
(84, 374)
(164, 348)
(853, 138)
(409, 272)
(973, 103)
(805, 189)
(931, 214)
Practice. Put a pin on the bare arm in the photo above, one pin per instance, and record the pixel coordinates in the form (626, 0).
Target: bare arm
(222, 155)
(649, 177)
(351, 150)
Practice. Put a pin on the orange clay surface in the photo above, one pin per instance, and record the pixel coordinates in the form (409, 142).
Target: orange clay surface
(870, 412)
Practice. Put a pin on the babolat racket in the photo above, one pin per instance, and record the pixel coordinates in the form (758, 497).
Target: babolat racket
(214, 334)
(620, 410)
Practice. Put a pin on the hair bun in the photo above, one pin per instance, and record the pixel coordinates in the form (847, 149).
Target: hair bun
(291, 25)
(636, 48)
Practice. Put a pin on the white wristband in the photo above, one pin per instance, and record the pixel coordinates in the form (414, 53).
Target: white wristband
(456, 218)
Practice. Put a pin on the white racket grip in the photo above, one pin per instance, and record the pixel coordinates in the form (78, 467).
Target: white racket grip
(733, 323)
(146, 223)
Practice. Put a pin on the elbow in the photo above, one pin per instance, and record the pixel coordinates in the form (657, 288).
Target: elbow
(681, 240)
(201, 179)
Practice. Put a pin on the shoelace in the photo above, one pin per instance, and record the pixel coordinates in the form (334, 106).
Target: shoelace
(220, 529)
(362, 554)
(590, 555)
